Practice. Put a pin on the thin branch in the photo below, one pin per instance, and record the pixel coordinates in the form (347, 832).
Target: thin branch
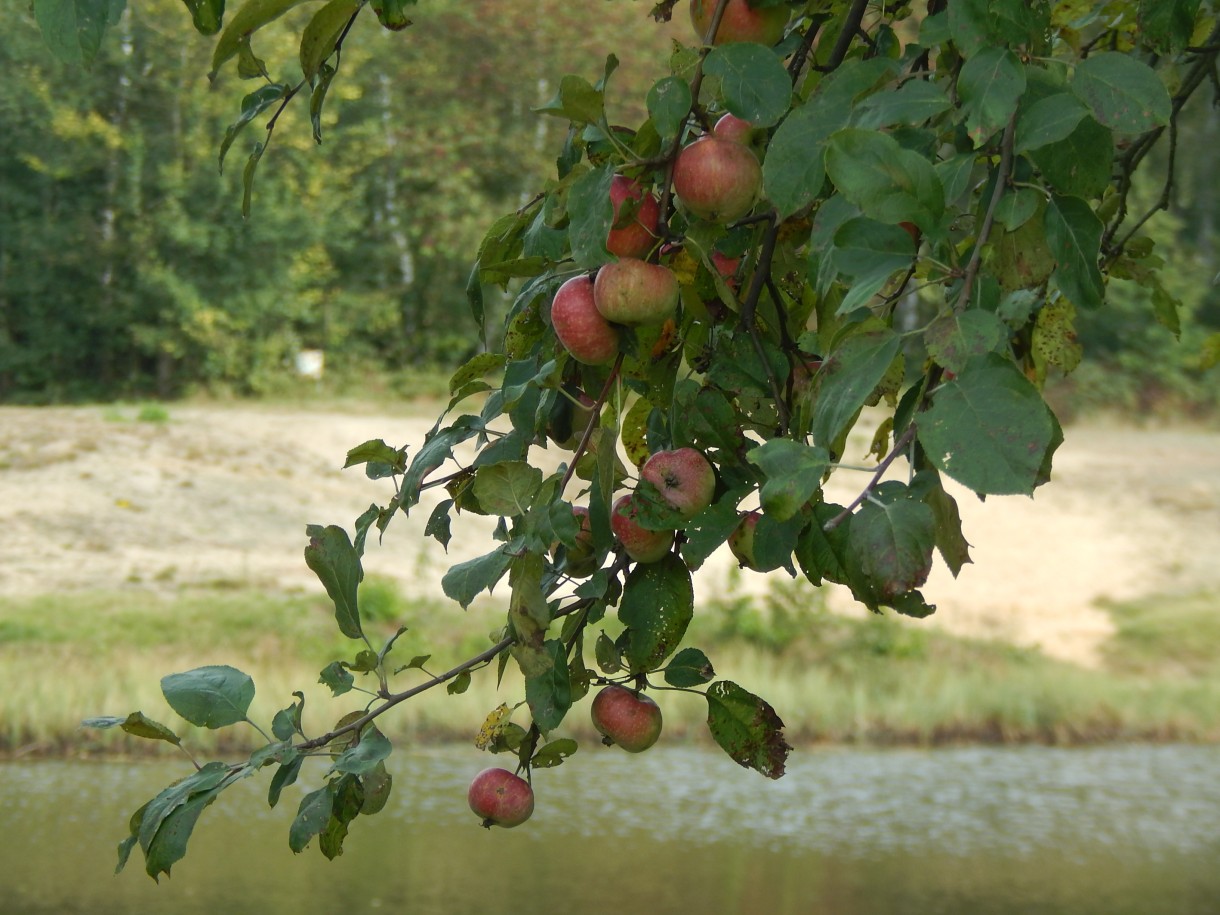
(899, 447)
(1001, 183)
(851, 26)
(749, 308)
(595, 412)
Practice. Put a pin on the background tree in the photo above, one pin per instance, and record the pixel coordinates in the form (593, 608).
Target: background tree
(851, 204)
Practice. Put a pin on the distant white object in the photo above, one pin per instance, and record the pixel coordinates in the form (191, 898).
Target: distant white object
(310, 363)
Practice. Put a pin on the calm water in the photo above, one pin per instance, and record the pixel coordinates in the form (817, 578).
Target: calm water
(979, 831)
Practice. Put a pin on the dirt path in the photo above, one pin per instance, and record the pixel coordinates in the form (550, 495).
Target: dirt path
(92, 498)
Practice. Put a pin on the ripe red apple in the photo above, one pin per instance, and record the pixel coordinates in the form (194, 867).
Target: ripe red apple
(640, 544)
(741, 541)
(717, 179)
(500, 798)
(727, 267)
(741, 22)
(579, 326)
(639, 235)
(731, 127)
(626, 718)
(632, 291)
(684, 477)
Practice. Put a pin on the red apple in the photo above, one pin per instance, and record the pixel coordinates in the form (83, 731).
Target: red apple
(727, 267)
(500, 798)
(632, 291)
(637, 237)
(717, 179)
(579, 326)
(640, 543)
(626, 718)
(741, 541)
(741, 22)
(684, 478)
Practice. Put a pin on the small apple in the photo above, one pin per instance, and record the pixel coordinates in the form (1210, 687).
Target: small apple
(640, 543)
(684, 478)
(579, 326)
(626, 718)
(580, 561)
(717, 179)
(500, 798)
(637, 237)
(741, 22)
(727, 267)
(741, 541)
(632, 291)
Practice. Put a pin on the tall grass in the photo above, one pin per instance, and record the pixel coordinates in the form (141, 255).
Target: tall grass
(67, 657)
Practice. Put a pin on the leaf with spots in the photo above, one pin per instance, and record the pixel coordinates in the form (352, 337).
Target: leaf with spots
(747, 728)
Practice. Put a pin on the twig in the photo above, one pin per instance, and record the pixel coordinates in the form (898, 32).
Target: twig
(595, 412)
(899, 446)
(1001, 183)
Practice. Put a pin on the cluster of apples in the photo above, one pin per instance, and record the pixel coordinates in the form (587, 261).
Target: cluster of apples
(717, 178)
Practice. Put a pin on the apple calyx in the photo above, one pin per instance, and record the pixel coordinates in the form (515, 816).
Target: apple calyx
(626, 718)
(684, 478)
(500, 798)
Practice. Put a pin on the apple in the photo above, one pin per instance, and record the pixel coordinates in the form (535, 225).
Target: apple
(727, 267)
(637, 237)
(632, 291)
(731, 127)
(639, 543)
(717, 179)
(741, 541)
(580, 561)
(741, 22)
(579, 326)
(626, 718)
(684, 478)
(500, 798)
(568, 420)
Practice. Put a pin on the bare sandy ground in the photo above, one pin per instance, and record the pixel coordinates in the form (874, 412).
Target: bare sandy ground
(90, 498)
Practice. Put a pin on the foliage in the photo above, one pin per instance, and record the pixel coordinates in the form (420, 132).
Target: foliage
(978, 154)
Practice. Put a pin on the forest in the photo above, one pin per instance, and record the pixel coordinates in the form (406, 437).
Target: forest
(128, 270)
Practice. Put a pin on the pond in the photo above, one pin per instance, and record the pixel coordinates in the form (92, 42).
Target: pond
(985, 831)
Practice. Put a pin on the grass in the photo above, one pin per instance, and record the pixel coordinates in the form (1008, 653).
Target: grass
(832, 678)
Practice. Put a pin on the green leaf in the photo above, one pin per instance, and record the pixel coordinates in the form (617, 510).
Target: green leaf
(73, 29)
(335, 676)
(137, 725)
(313, 814)
(320, 35)
(252, 106)
(437, 448)
(1048, 120)
(548, 689)
(755, 85)
(206, 15)
(363, 757)
(1168, 24)
(709, 529)
(794, 473)
(990, 84)
(376, 451)
(822, 553)
(592, 215)
(210, 697)
(331, 556)
(847, 377)
(889, 183)
(913, 102)
(377, 786)
(669, 102)
(467, 580)
(552, 754)
(475, 368)
(689, 667)
(392, 14)
(871, 253)
(437, 526)
(954, 338)
(253, 15)
(576, 100)
(1073, 234)
(287, 721)
(950, 541)
(989, 428)
(507, 488)
(285, 776)
(1080, 164)
(317, 98)
(657, 605)
(164, 828)
(794, 169)
(893, 535)
(747, 728)
(1123, 93)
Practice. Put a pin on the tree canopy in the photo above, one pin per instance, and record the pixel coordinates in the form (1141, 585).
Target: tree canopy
(820, 208)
